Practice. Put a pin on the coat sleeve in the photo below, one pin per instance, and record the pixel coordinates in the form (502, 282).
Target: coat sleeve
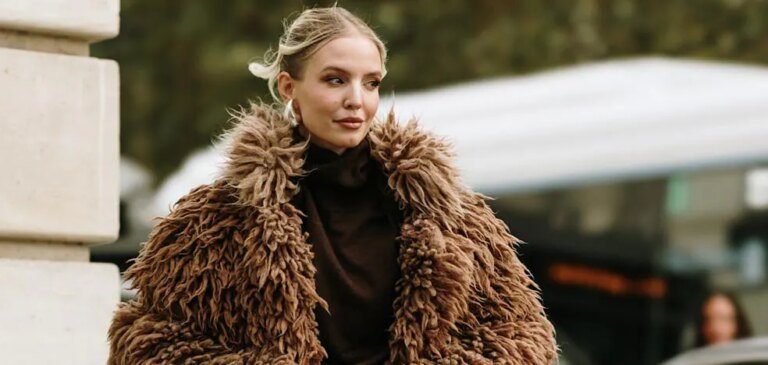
(512, 323)
(183, 283)
(138, 336)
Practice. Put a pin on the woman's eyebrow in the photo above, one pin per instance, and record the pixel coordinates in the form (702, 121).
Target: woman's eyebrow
(341, 70)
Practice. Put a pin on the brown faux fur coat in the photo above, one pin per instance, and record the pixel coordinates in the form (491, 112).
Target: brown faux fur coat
(227, 277)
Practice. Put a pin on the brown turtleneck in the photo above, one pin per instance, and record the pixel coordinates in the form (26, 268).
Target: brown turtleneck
(352, 221)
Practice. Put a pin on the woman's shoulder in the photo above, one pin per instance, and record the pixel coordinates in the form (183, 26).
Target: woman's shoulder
(196, 242)
(219, 194)
(207, 218)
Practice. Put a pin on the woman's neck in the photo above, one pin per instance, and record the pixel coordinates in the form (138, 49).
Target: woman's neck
(319, 142)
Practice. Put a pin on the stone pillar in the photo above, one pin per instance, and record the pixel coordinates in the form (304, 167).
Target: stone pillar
(59, 155)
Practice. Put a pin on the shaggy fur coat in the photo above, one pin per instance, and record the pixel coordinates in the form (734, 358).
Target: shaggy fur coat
(227, 277)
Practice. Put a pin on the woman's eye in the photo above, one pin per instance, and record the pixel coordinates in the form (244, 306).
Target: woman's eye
(375, 83)
(334, 80)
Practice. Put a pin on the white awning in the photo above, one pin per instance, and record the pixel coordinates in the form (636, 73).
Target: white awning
(604, 121)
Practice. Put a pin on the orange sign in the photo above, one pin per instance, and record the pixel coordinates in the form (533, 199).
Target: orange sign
(607, 280)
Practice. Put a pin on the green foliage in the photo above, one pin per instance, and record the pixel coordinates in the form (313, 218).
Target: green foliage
(184, 63)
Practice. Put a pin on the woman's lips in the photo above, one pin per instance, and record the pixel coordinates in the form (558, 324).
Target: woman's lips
(350, 123)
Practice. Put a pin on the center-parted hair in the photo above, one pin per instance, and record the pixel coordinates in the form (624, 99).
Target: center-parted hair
(312, 29)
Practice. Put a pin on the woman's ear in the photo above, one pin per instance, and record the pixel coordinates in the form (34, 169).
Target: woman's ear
(285, 86)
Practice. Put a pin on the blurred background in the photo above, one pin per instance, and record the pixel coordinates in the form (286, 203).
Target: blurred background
(626, 141)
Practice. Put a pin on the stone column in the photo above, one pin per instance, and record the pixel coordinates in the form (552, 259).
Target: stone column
(59, 155)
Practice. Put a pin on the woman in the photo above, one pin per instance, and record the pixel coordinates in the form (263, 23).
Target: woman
(331, 238)
(721, 319)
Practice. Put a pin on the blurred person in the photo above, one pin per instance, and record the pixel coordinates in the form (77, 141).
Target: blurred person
(721, 319)
(330, 237)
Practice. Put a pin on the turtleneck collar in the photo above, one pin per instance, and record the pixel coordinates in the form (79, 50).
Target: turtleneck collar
(348, 169)
(352, 222)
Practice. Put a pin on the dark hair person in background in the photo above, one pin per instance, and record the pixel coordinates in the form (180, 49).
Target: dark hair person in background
(721, 319)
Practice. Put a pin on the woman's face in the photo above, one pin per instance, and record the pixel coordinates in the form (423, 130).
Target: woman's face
(719, 323)
(337, 95)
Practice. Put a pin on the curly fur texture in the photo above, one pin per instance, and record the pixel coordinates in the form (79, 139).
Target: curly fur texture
(227, 277)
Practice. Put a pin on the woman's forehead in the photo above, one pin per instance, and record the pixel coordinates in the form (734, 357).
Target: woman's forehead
(354, 54)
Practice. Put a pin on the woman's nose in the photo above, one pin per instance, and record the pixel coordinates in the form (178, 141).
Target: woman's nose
(354, 97)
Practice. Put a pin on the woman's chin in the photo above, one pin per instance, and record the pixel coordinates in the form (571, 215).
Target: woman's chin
(349, 141)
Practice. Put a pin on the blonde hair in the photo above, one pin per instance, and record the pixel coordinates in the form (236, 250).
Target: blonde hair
(312, 29)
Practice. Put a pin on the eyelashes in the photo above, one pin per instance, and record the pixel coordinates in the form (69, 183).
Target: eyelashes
(336, 81)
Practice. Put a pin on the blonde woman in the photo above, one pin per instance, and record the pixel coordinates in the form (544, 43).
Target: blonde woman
(330, 238)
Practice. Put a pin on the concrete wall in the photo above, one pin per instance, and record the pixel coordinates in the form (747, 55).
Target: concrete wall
(59, 148)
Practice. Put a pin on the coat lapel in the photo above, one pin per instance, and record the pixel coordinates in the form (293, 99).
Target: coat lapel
(264, 166)
(435, 284)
